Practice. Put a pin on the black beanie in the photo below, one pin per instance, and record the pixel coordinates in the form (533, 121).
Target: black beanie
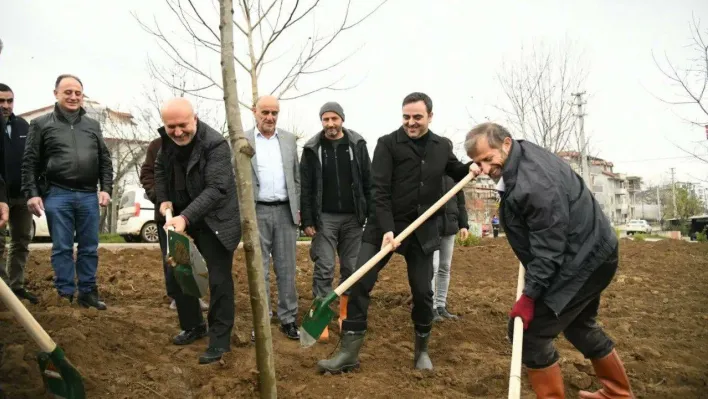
(332, 107)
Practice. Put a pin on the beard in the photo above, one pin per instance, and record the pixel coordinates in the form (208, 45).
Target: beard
(332, 132)
(498, 168)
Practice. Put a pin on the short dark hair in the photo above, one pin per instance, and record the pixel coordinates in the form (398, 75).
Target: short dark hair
(494, 133)
(66, 76)
(418, 96)
(4, 87)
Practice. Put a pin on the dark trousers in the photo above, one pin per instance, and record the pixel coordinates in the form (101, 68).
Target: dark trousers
(420, 275)
(220, 319)
(495, 230)
(577, 322)
(13, 271)
(337, 234)
(171, 285)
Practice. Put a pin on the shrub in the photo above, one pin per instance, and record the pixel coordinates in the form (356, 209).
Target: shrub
(702, 236)
(471, 241)
(639, 237)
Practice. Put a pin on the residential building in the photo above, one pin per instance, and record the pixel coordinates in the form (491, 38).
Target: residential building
(610, 188)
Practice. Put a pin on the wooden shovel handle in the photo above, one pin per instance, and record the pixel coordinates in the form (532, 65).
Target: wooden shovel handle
(405, 233)
(515, 373)
(168, 214)
(45, 342)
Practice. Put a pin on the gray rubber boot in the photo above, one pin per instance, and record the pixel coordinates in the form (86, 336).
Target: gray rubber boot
(422, 360)
(347, 358)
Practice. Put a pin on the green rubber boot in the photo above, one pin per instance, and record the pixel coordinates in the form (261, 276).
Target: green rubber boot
(422, 360)
(347, 358)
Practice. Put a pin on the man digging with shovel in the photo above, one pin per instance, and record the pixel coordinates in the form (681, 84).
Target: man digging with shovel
(407, 168)
(569, 250)
(194, 178)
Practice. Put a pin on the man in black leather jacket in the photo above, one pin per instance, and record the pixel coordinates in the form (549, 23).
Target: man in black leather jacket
(65, 159)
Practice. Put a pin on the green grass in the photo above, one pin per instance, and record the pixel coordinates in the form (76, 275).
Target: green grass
(639, 237)
(110, 239)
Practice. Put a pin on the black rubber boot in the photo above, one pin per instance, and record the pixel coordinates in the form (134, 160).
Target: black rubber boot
(347, 358)
(90, 300)
(422, 360)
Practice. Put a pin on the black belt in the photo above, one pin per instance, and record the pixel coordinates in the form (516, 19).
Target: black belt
(273, 203)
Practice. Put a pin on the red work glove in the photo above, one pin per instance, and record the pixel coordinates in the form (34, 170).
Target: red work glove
(523, 308)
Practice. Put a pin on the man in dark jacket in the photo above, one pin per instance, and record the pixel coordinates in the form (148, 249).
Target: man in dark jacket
(454, 220)
(12, 147)
(407, 172)
(65, 159)
(194, 178)
(335, 200)
(569, 250)
(147, 180)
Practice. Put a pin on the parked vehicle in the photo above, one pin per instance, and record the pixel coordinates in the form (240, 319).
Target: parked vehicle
(638, 226)
(136, 217)
(699, 224)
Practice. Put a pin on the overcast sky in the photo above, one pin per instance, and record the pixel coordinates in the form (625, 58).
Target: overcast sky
(450, 49)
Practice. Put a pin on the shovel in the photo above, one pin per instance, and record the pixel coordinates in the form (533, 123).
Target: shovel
(515, 373)
(59, 375)
(320, 313)
(189, 267)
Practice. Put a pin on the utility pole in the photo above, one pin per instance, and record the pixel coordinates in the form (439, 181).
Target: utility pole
(583, 145)
(658, 201)
(673, 191)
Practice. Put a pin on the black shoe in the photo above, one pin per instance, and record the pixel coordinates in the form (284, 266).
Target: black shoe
(290, 330)
(188, 336)
(24, 294)
(212, 355)
(68, 297)
(442, 311)
(90, 300)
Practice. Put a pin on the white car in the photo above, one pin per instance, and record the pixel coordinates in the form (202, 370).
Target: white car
(638, 226)
(136, 215)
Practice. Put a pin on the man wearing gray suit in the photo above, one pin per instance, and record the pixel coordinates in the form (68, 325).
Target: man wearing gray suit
(277, 189)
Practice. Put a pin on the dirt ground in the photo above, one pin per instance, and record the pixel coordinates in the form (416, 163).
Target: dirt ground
(655, 310)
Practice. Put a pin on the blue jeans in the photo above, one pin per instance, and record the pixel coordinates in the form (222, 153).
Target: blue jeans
(68, 212)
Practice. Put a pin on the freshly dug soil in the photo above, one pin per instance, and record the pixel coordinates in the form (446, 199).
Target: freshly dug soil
(655, 310)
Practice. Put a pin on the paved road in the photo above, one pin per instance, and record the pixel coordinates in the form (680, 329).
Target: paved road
(118, 247)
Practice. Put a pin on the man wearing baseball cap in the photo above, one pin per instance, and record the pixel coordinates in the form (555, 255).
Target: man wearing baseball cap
(335, 200)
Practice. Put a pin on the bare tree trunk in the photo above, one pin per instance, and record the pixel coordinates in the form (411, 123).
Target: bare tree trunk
(242, 154)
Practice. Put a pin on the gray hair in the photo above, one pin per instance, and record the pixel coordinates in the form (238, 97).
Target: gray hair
(494, 133)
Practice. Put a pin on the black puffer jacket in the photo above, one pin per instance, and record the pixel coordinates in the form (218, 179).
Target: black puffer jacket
(74, 157)
(553, 223)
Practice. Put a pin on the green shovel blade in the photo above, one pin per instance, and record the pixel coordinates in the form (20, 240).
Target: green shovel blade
(316, 319)
(60, 377)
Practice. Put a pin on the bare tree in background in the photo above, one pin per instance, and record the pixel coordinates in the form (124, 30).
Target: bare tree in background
(241, 158)
(261, 25)
(127, 147)
(538, 89)
(691, 83)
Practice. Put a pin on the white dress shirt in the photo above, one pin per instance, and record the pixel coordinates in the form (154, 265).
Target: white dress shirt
(271, 174)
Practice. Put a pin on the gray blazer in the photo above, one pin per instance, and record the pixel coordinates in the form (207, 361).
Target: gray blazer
(288, 150)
